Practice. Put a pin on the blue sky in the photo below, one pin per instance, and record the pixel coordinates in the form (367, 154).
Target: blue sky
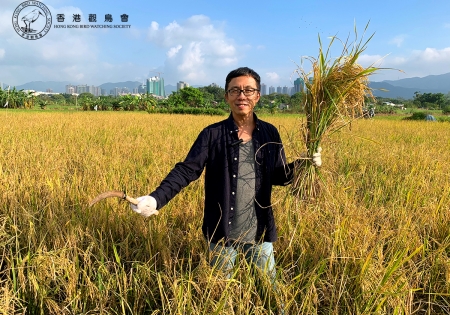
(199, 42)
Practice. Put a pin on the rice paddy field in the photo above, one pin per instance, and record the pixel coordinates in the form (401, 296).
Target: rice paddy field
(376, 241)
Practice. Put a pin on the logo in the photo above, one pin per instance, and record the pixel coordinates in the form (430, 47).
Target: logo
(32, 20)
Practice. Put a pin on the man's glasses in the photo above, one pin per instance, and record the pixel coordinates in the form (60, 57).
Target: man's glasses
(247, 92)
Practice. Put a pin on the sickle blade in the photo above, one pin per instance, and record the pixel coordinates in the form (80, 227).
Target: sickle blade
(107, 194)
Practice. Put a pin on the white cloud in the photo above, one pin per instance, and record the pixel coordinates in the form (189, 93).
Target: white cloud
(154, 26)
(173, 51)
(196, 49)
(418, 63)
(433, 55)
(371, 60)
(398, 40)
(192, 58)
(273, 77)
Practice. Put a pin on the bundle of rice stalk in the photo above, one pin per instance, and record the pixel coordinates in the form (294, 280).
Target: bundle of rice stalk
(333, 98)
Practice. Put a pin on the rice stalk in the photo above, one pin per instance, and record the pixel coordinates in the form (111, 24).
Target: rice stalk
(335, 95)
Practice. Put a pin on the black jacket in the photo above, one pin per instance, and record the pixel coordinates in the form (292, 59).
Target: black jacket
(217, 150)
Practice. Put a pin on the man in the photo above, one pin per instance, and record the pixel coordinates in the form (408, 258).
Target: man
(243, 158)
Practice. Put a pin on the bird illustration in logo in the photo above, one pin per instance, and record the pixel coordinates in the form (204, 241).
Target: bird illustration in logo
(29, 18)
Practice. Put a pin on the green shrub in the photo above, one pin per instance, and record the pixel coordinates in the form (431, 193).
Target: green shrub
(384, 109)
(443, 119)
(446, 110)
(417, 116)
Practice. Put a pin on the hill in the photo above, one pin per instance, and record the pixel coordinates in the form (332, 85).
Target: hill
(405, 88)
(431, 82)
(55, 86)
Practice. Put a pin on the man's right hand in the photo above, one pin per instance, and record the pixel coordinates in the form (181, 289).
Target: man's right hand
(146, 206)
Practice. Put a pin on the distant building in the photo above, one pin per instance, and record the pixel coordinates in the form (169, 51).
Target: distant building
(142, 88)
(82, 89)
(155, 86)
(95, 90)
(285, 90)
(271, 89)
(279, 90)
(115, 92)
(70, 89)
(182, 85)
(263, 89)
(299, 85)
(49, 90)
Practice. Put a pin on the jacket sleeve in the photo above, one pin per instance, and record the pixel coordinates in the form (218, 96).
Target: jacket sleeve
(184, 172)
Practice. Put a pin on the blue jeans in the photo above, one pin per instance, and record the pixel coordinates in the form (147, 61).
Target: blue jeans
(261, 255)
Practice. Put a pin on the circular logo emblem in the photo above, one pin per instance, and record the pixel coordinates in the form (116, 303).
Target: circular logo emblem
(32, 20)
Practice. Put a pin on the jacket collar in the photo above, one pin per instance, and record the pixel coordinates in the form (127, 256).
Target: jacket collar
(232, 127)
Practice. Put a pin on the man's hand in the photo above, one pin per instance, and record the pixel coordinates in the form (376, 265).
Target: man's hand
(317, 158)
(146, 206)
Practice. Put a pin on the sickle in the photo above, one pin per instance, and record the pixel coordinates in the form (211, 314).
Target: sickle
(113, 193)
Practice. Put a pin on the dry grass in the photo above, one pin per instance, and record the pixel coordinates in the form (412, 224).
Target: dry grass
(376, 242)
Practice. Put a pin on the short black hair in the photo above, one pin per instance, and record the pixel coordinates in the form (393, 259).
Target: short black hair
(241, 72)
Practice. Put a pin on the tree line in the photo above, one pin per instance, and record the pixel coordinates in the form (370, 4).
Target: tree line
(202, 100)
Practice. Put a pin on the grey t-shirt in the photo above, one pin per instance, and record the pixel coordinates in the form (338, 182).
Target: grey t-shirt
(244, 225)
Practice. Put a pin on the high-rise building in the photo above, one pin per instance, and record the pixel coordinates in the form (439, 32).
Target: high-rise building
(94, 90)
(279, 90)
(82, 89)
(299, 85)
(182, 85)
(155, 86)
(70, 89)
(285, 90)
(263, 89)
(142, 88)
(271, 89)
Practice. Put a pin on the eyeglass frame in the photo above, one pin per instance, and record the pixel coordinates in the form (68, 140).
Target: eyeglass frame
(242, 91)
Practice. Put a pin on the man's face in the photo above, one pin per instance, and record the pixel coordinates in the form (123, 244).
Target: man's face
(240, 104)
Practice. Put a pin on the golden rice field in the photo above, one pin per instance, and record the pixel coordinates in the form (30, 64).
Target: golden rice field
(377, 241)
